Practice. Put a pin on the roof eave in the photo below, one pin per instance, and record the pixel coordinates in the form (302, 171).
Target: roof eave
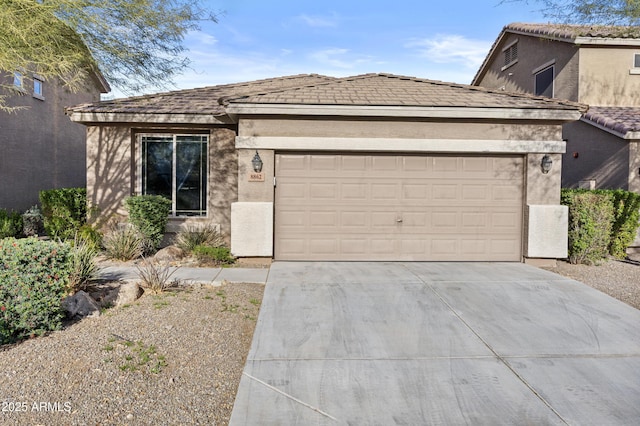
(405, 111)
(120, 117)
(487, 60)
(626, 135)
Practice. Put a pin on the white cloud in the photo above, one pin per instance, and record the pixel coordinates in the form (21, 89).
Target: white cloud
(448, 48)
(199, 37)
(319, 21)
(338, 58)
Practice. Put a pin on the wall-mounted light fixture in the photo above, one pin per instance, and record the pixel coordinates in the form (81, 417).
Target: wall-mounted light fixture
(257, 163)
(546, 164)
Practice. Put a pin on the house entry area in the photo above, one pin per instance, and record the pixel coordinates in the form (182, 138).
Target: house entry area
(347, 206)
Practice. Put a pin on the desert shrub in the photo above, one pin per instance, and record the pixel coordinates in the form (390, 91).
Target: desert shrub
(83, 267)
(218, 255)
(32, 222)
(33, 280)
(149, 214)
(90, 236)
(626, 213)
(590, 222)
(64, 211)
(123, 243)
(156, 278)
(193, 236)
(10, 224)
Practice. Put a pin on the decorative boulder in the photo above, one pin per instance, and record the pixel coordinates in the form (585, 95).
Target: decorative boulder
(168, 254)
(127, 294)
(81, 305)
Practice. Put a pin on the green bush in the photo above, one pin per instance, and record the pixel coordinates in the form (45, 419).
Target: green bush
(10, 224)
(64, 211)
(193, 236)
(149, 214)
(32, 222)
(626, 211)
(90, 236)
(590, 222)
(33, 281)
(217, 255)
(123, 243)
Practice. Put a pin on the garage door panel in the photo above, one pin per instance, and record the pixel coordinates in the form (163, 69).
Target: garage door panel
(379, 207)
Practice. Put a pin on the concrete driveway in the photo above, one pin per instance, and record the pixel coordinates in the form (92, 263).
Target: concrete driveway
(438, 343)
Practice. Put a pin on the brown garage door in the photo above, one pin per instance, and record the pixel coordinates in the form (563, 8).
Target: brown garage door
(398, 207)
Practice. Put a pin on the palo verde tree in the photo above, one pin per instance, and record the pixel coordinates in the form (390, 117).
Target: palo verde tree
(136, 44)
(594, 12)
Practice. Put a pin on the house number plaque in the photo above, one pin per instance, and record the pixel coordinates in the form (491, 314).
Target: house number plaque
(256, 177)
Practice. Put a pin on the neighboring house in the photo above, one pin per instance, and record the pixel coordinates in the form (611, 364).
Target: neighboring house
(594, 65)
(40, 147)
(371, 167)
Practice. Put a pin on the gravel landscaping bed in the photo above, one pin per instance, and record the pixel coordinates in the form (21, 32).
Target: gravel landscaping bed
(618, 279)
(173, 358)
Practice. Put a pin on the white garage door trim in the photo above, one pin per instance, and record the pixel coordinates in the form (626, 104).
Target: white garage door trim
(398, 207)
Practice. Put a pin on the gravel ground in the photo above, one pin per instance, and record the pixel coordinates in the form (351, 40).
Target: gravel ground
(618, 279)
(174, 358)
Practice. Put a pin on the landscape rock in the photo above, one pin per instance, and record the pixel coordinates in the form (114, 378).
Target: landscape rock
(81, 305)
(127, 294)
(117, 294)
(168, 254)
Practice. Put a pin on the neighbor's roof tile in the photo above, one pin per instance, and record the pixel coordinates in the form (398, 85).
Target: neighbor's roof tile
(619, 119)
(571, 32)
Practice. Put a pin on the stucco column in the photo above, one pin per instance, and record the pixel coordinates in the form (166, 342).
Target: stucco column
(252, 215)
(545, 220)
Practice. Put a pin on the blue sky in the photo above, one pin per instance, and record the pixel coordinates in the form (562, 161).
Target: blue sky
(440, 40)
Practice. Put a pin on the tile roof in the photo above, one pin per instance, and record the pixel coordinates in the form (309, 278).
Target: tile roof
(194, 101)
(313, 89)
(394, 90)
(618, 119)
(571, 32)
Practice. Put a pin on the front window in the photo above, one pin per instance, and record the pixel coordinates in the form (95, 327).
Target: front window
(175, 166)
(544, 82)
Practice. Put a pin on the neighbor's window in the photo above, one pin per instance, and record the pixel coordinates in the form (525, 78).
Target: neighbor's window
(544, 82)
(38, 84)
(17, 79)
(175, 166)
(636, 60)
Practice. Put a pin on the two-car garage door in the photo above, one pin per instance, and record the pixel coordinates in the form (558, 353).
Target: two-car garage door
(398, 207)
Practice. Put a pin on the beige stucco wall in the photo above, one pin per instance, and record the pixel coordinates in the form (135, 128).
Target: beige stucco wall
(605, 77)
(41, 147)
(593, 154)
(534, 52)
(542, 188)
(112, 173)
(250, 190)
(428, 129)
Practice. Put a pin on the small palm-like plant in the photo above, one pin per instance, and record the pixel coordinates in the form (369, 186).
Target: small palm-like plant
(123, 243)
(156, 278)
(193, 236)
(83, 265)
